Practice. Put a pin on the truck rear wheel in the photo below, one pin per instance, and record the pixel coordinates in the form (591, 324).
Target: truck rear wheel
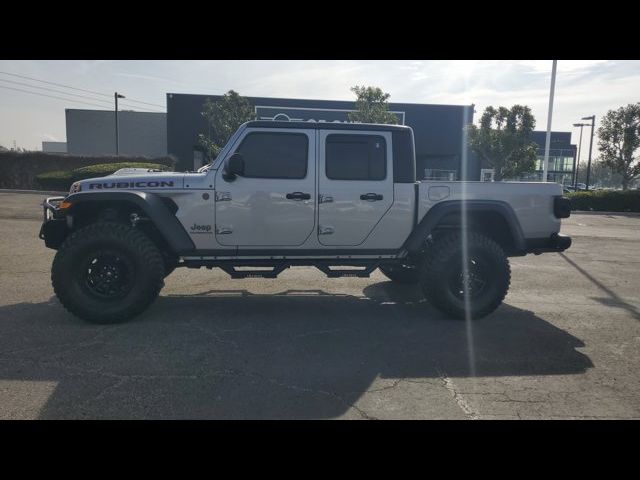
(405, 274)
(107, 272)
(476, 290)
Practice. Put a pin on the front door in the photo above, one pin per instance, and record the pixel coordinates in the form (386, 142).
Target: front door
(355, 184)
(273, 202)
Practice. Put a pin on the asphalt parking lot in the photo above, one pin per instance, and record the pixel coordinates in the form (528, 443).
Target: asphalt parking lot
(566, 343)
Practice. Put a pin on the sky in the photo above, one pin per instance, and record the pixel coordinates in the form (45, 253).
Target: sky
(583, 87)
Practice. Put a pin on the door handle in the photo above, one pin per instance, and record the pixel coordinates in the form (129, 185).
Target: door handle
(298, 196)
(371, 197)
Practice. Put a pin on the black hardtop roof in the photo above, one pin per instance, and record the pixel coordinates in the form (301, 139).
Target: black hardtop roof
(325, 125)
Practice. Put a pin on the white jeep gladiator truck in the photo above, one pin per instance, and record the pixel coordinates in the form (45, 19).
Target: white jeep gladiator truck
(340, 197)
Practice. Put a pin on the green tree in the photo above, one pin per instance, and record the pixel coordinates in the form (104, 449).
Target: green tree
(618, 140)
(601, 175)
(224, 116)
(371, 106)
(502, 140)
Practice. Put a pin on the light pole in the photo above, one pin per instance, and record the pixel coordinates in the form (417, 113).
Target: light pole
(593, 123)
(576, 168)
(545, 163)
(116, 96)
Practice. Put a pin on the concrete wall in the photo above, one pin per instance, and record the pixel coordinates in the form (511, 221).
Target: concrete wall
(92, 132)
(54, 147)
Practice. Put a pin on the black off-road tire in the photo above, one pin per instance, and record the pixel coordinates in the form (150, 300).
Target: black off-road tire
(441, 275)
(405, 274)
(136, 257)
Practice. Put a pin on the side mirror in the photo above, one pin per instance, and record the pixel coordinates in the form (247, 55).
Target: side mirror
(233, 167)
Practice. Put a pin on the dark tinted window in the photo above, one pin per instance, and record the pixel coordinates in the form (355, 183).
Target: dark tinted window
(356, 157)
(274, 155)
(404, 161)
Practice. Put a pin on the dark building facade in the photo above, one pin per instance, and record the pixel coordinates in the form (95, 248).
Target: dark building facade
(438, 129)
(562, 158)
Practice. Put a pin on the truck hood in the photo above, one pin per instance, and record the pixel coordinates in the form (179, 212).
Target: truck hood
(135, 171)
(134, 179)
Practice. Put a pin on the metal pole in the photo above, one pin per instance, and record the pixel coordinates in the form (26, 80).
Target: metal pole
(545, 167)
(593, 124)
(117, 139)
(575, 178)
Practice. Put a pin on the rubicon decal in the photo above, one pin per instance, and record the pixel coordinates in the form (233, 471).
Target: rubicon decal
(151, 184)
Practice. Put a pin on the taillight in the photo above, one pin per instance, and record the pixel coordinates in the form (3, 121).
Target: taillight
(561, 207)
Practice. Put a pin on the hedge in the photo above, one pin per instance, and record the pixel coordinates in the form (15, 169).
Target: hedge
(606, 200)
(62, 179)
(19, 169)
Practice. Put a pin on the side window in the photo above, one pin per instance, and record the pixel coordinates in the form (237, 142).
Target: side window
(356, 157)
(274, 155)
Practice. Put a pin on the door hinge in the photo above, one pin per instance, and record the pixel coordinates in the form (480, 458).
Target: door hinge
(325, 198)
(223, 196)
(325, 230)
(223, 230)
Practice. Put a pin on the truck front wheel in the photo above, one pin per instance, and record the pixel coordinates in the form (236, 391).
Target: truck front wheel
(471, 289)
(107, 272)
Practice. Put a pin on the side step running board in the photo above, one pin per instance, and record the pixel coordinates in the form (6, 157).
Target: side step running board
(363, 270)
(351, 272)
(272, 273)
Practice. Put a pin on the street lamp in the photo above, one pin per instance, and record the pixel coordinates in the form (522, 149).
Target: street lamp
(545, 163)
(116, 96)
(593, 123)
(576, 167)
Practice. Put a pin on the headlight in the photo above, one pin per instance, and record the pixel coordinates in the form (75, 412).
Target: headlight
(75, 188)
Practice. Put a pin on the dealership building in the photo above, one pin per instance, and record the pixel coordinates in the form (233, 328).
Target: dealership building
(438, 129)
(562, 158)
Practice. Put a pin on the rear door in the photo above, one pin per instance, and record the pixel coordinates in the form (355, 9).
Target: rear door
(355, 184)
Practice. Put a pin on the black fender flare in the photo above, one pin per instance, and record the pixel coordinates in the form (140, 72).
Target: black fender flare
(436, 213)
(152, 206)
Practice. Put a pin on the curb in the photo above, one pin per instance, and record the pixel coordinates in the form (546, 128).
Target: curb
(594, 212)
(43, 192)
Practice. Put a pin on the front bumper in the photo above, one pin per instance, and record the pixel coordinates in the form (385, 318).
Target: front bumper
(54, 226)
(555, 243)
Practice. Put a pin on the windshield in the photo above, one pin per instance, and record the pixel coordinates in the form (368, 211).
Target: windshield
(224, 151)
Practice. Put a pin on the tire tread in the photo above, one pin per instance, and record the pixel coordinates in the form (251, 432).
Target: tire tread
(138, 241)
(434, 262)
